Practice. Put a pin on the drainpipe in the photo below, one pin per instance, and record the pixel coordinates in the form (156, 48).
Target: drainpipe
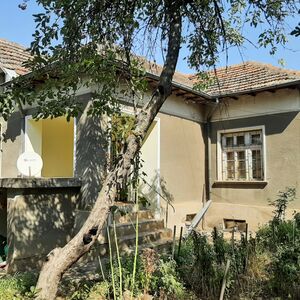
(208, 147)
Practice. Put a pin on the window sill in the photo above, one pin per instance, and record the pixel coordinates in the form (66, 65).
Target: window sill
(240, 184)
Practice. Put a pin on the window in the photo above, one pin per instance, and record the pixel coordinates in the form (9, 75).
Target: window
(241, 156)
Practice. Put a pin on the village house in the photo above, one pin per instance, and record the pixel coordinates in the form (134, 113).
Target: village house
(235, 143)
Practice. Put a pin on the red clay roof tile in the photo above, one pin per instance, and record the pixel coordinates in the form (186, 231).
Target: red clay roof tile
(12, 56)
(246, 77)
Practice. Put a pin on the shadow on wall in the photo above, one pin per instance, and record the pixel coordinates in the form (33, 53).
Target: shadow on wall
(157, 196)
(13, 127)
(274, 124)
(91, 155)
(38, 220)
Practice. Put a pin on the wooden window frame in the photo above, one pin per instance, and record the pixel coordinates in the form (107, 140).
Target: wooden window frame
(247, 148)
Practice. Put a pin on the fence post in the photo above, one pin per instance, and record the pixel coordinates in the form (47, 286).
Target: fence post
(174, 241)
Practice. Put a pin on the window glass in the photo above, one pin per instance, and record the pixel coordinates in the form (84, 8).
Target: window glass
(229, 141)
(255, 139)
(230, 165)
(241, 165)
(256, 164)
(240, 140)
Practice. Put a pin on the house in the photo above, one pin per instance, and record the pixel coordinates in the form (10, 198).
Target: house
(236, 143)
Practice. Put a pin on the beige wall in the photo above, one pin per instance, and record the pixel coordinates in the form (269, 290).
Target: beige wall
(282, 143)
(182, 166)
(261, 104)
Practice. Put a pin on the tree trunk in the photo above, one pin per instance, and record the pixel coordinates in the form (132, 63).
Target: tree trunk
(60, 259)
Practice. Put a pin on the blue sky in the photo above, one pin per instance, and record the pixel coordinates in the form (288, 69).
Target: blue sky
(17, 26)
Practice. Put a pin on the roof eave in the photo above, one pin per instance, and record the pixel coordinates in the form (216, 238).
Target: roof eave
(184, 88)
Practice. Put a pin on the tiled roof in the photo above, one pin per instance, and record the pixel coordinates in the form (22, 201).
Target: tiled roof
(234, 79)
(12, 56)
(246, 77)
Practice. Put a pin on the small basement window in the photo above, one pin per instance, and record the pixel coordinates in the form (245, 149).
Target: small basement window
(230, 224)
(190, 217)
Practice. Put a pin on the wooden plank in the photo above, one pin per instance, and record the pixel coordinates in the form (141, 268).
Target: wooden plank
(198, 218)
(224, 280)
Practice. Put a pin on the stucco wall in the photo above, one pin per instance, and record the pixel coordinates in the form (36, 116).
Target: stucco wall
(39, 219)
(91, 153)
(182, 166)
(260, 104)
(282, 141)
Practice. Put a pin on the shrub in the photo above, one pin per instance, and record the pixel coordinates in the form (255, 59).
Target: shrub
(169, 282)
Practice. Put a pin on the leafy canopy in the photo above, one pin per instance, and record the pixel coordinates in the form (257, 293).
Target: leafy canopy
(93, 43)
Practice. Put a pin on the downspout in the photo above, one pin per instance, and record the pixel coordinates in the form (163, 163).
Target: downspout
(208, 147)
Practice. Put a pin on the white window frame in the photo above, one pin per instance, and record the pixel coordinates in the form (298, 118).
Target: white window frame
(220, 152)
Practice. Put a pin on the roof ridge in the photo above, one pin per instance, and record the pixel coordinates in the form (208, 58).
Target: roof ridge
(12, 43)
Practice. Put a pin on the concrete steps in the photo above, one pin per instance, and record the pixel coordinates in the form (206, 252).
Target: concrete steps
(131, 216)
(151, 234)
(145, 239)
(125, 229)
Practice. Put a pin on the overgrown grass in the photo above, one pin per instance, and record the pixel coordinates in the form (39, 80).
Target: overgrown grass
(19, 286)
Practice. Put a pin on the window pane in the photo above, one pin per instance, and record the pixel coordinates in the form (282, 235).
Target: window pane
(230, 165)
(240, 140)
(255, 139)
(256, 164)
(241, 165)
(229, 141)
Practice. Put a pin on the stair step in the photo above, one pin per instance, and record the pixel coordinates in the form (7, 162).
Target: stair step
(161, 246)
(125, 229)
(131, 216)
(129, 241)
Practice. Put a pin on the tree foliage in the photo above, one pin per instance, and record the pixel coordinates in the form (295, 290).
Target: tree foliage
(91, 43)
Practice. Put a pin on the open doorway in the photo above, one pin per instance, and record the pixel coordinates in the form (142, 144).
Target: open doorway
(53, 140)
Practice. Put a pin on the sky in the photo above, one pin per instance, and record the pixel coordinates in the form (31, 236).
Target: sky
(17, 25)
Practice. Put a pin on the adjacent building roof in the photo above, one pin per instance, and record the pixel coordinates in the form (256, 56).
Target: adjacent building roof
(247, 77)
(12, 56)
